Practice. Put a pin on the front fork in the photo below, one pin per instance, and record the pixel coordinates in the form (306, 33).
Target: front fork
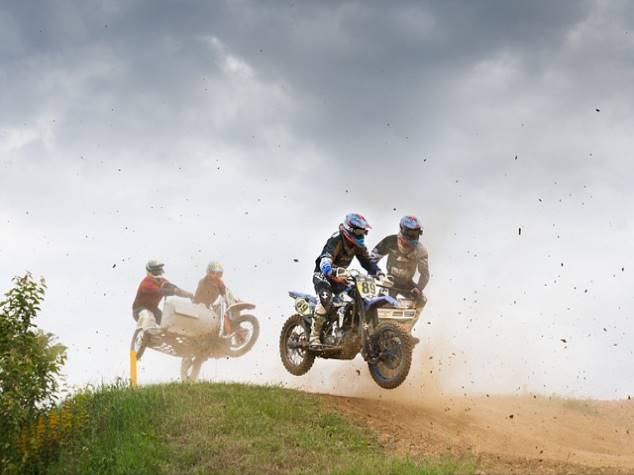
(227, 327)
(366, 329)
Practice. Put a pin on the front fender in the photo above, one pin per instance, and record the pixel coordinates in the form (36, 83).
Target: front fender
(236, 308)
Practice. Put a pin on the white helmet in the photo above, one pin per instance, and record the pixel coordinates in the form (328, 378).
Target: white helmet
(215, 267)
(154, 267)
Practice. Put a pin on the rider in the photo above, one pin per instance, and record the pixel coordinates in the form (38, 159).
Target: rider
(338, 252)
(151, 290)
(405, 254)
(210, 288)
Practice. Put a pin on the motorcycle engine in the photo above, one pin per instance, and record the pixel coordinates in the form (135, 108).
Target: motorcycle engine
(334, 337)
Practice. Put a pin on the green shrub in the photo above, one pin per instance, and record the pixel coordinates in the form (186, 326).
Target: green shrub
(30, 366)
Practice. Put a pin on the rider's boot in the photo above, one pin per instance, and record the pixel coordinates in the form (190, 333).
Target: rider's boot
(318, 322)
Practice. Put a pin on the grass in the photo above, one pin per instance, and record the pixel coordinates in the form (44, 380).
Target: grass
(226, 429)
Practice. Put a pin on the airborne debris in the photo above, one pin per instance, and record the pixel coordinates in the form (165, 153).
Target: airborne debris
(563, 340)
(295, 260)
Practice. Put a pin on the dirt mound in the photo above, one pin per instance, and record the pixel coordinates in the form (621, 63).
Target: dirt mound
(507, 434)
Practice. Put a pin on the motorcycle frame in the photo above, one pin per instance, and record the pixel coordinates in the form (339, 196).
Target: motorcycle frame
(359, 321)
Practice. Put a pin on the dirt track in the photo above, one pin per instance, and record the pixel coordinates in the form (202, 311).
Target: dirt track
(523, 434)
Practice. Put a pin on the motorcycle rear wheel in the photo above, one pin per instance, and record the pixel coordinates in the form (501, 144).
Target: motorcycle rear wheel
(240, 344)
(190, 368)
(296, 361)
(395, 348)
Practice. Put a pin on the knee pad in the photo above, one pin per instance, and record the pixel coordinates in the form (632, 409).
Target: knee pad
(146, 319)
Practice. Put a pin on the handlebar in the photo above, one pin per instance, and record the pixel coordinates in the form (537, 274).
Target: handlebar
(351, 274)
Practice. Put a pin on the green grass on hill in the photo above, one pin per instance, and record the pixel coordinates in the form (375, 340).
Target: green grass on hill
(226, 429)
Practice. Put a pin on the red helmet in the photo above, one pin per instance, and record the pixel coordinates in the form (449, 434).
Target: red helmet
(354, 229)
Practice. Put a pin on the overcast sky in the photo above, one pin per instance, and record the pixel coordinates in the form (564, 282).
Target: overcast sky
(245, 131)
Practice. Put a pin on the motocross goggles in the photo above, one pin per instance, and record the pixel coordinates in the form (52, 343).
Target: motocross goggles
(411, 234)
(359, 232)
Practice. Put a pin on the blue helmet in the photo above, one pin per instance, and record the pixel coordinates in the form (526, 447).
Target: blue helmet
(354, 229)
(410, 231)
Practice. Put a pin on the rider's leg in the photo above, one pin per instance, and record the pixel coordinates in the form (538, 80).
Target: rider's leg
(324, 292)
(147, 321)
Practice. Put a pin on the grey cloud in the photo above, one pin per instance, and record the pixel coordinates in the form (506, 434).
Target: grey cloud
(365, 65)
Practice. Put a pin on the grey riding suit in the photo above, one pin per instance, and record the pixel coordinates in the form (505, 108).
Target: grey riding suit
(402, 264)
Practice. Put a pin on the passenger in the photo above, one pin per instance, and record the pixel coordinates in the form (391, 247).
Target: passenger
(211, 286)
(151, 290)
(406, 254)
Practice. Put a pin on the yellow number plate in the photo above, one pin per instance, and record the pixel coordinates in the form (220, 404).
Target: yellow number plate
(302, 307)
(366, 288)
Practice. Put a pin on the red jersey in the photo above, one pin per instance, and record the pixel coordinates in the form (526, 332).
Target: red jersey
(151, 291)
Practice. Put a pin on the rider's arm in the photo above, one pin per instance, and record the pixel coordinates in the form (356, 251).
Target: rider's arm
(168, 289)
(364, 260)
(183, 293)
(423, 267)
(379, 251)
(327, 257)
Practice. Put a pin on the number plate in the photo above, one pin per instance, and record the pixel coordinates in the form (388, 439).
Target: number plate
(366, 288)
(302, 307)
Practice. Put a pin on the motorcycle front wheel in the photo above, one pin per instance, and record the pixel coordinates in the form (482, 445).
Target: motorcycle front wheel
(246, 330)
(293, 342)
(393, 350)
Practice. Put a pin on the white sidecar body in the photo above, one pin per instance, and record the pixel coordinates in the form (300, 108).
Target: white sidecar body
(184, 318)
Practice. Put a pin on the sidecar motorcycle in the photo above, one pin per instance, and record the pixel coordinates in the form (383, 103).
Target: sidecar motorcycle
(196, 333)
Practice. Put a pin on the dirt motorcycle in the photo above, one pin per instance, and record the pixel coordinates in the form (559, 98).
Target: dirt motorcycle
(352, 327)
(197, 333)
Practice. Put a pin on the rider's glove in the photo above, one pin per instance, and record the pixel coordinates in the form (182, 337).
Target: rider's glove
(338, 275)
(416, 293)
(380, 275)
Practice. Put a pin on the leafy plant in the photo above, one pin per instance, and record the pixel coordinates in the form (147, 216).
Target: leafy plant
(30, 365)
